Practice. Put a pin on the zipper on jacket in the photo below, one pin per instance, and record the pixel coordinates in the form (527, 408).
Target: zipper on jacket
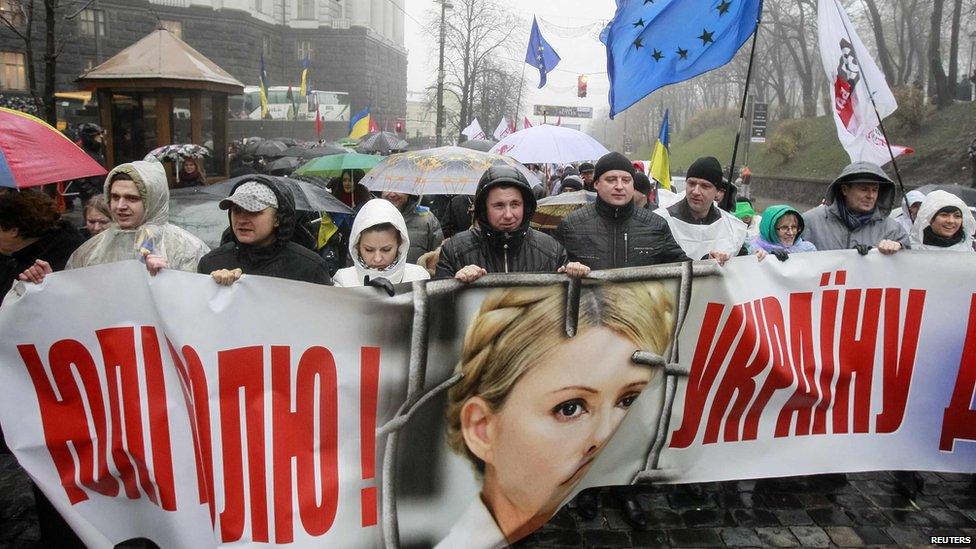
(505, 253)
(626, 251)
(613, 247)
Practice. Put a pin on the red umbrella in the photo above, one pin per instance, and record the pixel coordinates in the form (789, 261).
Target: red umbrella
(33, 153)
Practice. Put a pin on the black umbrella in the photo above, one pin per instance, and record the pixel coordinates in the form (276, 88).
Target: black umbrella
(313, 152)
(381, 142)
(308, 197)
(269, 147)
(284, 165)
(967, 194)
(483, 145)
(288, 141)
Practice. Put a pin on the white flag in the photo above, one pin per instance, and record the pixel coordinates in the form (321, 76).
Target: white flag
(503, 129)
(473, 131)
(851, 71)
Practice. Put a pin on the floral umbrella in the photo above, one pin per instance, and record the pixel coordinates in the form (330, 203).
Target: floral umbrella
(551, 210)
(444, 170)
(177, 153)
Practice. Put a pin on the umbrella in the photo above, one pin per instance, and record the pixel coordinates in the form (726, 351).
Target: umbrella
(313, 152)
(268, 147)
(967, 194)
(288, 141)
(285, 164)
(177, 152)
(550, 144)
(444, 170)
(551, 210)
(381, 142)
(334, 164)
(308, 197)
(483, 145)
(33, 153)
(347, 142)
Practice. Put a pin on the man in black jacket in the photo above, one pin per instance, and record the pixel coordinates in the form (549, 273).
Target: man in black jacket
(613, 232)
(262, 218)
(502, 241)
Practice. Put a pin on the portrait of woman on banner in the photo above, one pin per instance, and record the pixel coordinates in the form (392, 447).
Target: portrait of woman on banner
(535, 408)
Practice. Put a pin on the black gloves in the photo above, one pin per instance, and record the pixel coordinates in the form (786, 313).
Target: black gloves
(587, 504)
(781, 255)
(862, 249)
(381, 283)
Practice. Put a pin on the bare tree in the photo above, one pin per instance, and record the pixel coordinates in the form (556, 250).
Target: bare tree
(940, 82)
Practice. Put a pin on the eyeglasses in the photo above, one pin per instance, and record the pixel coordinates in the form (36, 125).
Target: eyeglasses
(788, 229)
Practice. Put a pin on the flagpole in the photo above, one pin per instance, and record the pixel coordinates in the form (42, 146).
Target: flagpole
(745, 95)
(884, 133)
(518, 102)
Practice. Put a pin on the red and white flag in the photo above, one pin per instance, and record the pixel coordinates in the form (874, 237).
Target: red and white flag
(559, 121)
(318, 122)
(852, 72)
(526, 123)
(503, 129)
(473, 131)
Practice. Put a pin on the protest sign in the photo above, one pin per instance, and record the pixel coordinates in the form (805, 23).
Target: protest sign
(274, 412)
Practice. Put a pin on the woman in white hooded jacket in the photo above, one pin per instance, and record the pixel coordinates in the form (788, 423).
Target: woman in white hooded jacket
(378, 246)
(944, 222)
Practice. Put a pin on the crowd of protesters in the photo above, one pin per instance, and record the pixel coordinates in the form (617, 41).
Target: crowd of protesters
(394, 238)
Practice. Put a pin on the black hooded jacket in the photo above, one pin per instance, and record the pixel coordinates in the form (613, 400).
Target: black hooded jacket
(523, 250)
(55, 247)
(282, 259)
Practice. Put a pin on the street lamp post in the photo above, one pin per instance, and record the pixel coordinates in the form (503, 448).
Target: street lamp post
(445, 5)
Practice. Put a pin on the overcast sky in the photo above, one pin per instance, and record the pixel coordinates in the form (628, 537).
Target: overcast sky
(582, 55)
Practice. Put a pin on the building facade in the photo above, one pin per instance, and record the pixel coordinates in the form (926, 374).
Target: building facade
(353, 46)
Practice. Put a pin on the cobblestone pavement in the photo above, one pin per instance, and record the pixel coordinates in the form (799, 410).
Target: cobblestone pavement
(854, 510)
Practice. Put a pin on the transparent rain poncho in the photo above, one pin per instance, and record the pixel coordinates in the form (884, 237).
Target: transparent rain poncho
(156, 235)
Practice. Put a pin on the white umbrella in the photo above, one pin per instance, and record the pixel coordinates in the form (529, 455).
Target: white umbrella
(550, 144)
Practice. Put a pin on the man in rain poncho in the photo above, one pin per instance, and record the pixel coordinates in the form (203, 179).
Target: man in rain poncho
(138, 197)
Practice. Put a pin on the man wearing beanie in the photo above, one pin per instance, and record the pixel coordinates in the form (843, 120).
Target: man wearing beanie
(586, 170)
(695, 225)
(642, 189)
(613, 232)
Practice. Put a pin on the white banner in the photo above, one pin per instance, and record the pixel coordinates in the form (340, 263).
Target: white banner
(197, 415)
(828, 362)
(473, 131)
(854, 77)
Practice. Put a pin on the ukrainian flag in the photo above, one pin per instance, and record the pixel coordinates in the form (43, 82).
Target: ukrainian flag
(359, 125)
(263, 88)
(304, 90)
(661, 159)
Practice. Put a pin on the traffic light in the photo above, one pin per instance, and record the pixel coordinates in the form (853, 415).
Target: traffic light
(399, 126)
(581, 85)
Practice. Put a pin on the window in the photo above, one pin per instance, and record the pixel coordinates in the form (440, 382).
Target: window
(306, 9)
(11, 12)
(175, 27)
(13, 72)
(304, 49)
(86, 21)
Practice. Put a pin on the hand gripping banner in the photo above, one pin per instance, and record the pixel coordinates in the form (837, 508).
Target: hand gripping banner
(274, 413)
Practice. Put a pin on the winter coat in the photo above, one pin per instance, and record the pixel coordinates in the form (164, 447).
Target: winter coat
(935, 201)
(377, 212)
(768, 239)
(459, 216)
(826, 227)
(181, 249)
(281, 259)
(55, 247)
(520, 251)
(903, 216)
(718, 231)
(424, 229)
(602, 236)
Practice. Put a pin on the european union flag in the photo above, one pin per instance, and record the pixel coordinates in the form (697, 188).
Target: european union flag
(653, 43)
(540, 54)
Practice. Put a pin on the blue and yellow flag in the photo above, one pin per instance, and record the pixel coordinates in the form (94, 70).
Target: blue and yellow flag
(661, 159)
(651, 44)
(359, 124)
(263, 88)
(304, 89)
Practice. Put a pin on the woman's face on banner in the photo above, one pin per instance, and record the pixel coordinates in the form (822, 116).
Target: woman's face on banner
(556, 420)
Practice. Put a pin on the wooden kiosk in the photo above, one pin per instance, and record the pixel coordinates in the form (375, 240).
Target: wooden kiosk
(160, 91)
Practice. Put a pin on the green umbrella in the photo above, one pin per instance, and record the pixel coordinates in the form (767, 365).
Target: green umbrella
(334, 164)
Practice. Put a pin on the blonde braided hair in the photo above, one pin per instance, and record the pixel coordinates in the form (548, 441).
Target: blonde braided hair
(517, 328)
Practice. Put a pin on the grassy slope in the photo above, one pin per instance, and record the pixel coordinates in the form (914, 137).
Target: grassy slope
(940, 149)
